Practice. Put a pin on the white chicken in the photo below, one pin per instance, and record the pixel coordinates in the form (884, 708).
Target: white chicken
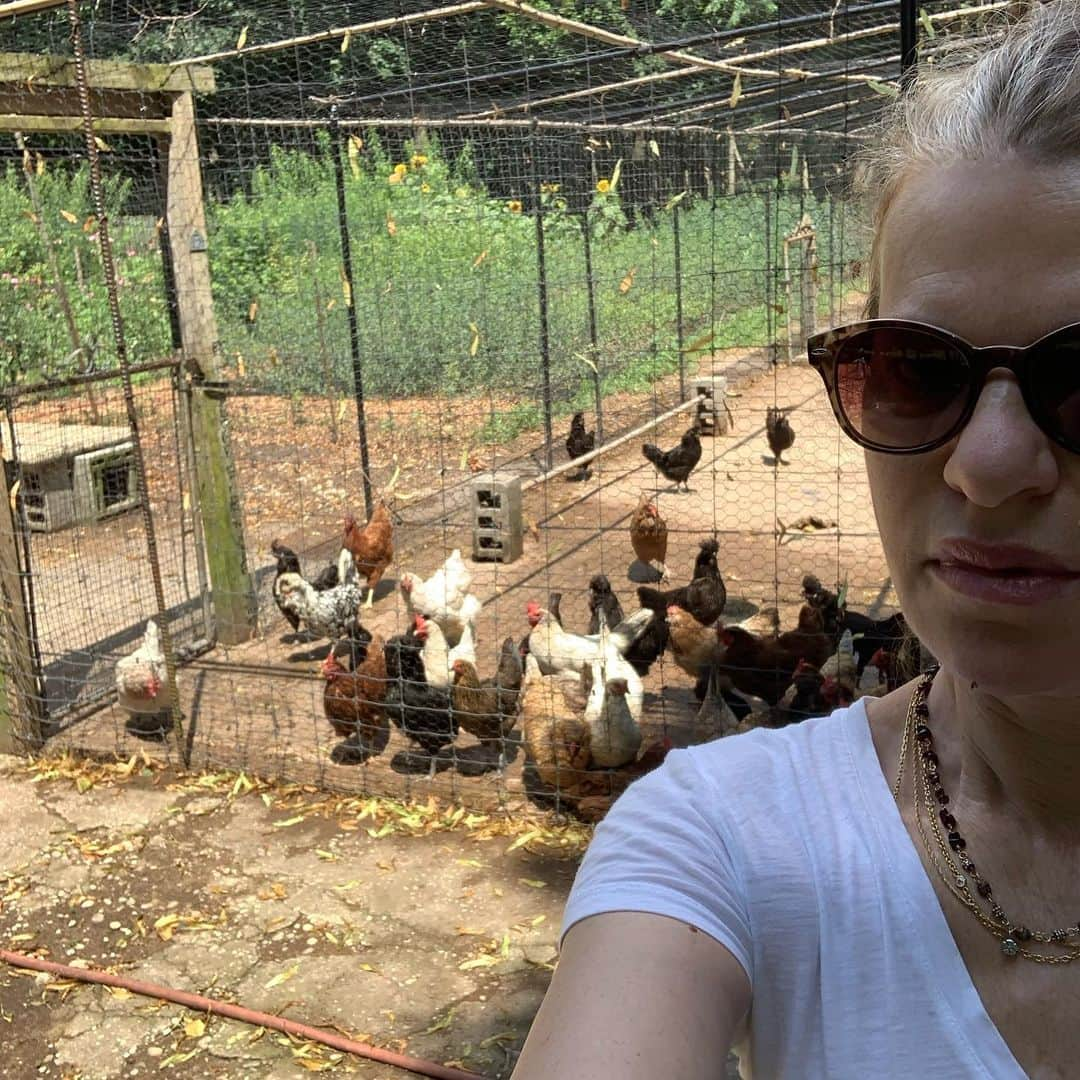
(556, 650)
(614, 737)
(142, 683)
(873, 681)
(843, 665)
(437, 656)
(444, 597)
(329, 613)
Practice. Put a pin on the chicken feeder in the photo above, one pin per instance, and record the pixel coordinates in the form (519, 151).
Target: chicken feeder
(498, 535)
(713, 416)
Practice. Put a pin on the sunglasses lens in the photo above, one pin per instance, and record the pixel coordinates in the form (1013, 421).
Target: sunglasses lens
(901, 388)
(1057, 389)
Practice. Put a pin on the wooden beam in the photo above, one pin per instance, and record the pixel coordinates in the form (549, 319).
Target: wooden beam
(20, 701)
(27, 7)
(17, 122)
(64, 101)
(33, 70)
(374, 27)
(232, 586)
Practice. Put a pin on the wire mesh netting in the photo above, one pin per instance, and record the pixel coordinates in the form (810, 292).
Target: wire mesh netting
(273, 270)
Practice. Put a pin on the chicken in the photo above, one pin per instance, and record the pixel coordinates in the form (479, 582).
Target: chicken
(764, 666)
(779, 432)
(678, 463)
(578, 443)
(423, 713)
(372, 547)
(649, 645)
(556, 738)
(142, 684)
(438, 658)
(842, 666)
(289, 563)
(826, 601)
(444, 597)
(614, 737)
(353, 699)
(695, 648)
(649, 535)
(874, 680)
(705, 596)
(557, 650)
(870, 635)
(717, 717)
(488, 708)
(602, 599)
(325, 614)
(803, 698)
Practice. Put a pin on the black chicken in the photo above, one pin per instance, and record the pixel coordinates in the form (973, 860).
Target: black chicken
(649, 645)
(704, 597)
(803, 699)
(826, 601)
(288, 562)
(602, 599)
(422, 712)
(578, 443)
(676, 465)
(869, 634)
(779, 432)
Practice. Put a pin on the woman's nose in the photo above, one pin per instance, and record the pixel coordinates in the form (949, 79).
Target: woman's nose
(1002, 453)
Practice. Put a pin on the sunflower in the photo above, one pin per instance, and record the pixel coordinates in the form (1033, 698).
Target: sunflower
(425, 188)
(603, 186)
(400, 169)
(418, 161)
(514, 206)
(549, 189)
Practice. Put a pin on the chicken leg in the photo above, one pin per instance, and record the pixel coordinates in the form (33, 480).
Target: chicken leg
(370, 601)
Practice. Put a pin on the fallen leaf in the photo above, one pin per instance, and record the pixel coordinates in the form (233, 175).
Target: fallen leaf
(736, 91)
(345, 41)
(533, 883)
(627, 282)
(195, 1029)
(241, 41)
(282, 977)
(69, 217)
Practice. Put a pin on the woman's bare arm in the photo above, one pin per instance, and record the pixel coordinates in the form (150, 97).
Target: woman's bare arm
(636, 997)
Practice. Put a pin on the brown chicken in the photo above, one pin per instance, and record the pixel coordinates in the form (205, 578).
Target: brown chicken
(764, 666)
(488, 708)
(556, 736)
(694, 646)
(371, 547)
(353, 700)
(649, 534)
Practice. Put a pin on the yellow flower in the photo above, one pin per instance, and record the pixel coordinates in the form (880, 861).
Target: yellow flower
(514, 206)
(418, 161)
(603, 186)
(394, 178)
(401, 168)
(425, 188)
(549, 189)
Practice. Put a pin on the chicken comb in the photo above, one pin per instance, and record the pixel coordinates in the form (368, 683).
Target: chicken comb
(531, 607)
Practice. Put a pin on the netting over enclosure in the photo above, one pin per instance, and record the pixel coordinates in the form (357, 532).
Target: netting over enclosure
(270, 268)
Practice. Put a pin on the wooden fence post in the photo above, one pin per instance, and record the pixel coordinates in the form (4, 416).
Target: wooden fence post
(235, 605)
(20, 701)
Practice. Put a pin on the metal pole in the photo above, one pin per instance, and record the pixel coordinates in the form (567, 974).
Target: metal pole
(542, 292)
(594, 337)
(679, 301)
(909, 37)
(350, 307)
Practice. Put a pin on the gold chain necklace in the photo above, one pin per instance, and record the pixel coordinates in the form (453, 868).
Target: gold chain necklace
(959, 873)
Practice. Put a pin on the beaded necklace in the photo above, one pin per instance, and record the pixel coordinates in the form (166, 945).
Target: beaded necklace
(951, 860)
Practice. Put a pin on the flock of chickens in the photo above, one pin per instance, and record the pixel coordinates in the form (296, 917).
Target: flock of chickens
(578, 697)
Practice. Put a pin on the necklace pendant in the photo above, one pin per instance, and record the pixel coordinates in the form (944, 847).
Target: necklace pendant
(1010, 947)
(961, 881)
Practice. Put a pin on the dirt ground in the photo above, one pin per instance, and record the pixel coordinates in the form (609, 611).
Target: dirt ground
(406, 927)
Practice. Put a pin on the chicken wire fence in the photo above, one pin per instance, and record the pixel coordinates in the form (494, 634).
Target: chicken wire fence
(382, 261)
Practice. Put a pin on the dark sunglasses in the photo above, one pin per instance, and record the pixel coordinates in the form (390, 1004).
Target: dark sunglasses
(902, 387)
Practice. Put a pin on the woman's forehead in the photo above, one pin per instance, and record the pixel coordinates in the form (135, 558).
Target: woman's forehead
(988, 250)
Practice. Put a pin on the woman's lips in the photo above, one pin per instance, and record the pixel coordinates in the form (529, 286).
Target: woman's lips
(1019, 585)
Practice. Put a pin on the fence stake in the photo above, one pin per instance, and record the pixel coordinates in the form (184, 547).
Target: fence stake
(350, 307)
(542, 293)
(679, 301)
(594, 337)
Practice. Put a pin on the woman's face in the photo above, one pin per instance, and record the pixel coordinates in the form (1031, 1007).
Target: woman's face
(991, 252)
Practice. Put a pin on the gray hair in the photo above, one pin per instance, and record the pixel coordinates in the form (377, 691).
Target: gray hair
(1020, 95)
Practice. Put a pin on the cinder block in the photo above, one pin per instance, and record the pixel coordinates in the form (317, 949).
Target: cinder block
(498, 531)
(712, 412)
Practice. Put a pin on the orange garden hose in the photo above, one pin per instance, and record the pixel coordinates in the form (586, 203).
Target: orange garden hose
(247, 1016)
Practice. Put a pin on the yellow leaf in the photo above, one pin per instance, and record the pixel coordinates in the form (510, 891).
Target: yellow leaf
(736, 91)
(176, 1059)
(536, 920)
(522, 840)
(326, 856)
(119, 993)
(165, 926)
(391, 224)
(368, 967)
(533, 883)
(39, 167)
(343, 408)
(289, 821)
(346, 291)
(480, 258)
(345, 42)
(654, 146)
(240, 369)
(504, 946)
(195, 1029)
(441, 1024)
(475, 343)
(331, 303)
(282, 977)
(352, 148)
(101, 144)
(89, 224)
(69, 217)
(627, 282)
(478, 962)
(241, 41)
(615, 174)
(253, 310)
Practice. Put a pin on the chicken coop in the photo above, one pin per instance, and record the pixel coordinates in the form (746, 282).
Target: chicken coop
(435, 380)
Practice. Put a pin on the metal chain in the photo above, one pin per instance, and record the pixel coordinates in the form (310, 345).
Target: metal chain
(109, 267)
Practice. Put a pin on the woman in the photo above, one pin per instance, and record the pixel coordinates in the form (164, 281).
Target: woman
(891, 891)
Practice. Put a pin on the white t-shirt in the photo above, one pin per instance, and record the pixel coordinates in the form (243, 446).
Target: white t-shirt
(787, 847)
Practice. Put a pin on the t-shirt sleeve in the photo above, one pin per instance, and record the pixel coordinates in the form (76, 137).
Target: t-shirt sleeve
(664, 849)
